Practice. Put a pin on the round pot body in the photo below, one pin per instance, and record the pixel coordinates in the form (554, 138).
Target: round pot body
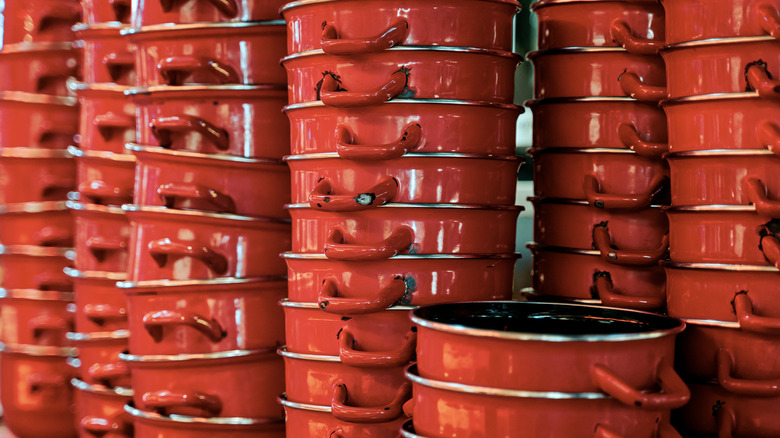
(100, 410)
(188, 245)
(360, 27)
(34, 317)
(162, 12)
(36, 224)
(427, 279)
(599, 72)
(108, 55)
(205, 316)
(210, 53)
(419, 178)
(316, 420)
(693, 20)
(152, 425)
(34, 175)
(100, 306)
(98, 11)
(98, 358)
(40, 21)
(239, 384)
(34, 267)
(36, 386)
(212, 183)
(240, 120)
(408, 125)
(102, 236)
(107, 118)
(39, 68)
(37, 121)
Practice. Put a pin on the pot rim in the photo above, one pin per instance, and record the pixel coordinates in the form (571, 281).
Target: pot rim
(568, 201)
(236, 421)
(282, 399)
(322, 256)
(588, 99)
(107, 88)
(33, 207)
(578, 50)
(436, 155)
(172, 27)
(449, 49)
(719, 267)
(37, 350)
(44, 99)
(184, 89)
(76, 152)
(98, 26)
(282, 351)
(579, 151)
(533, 246)
(301, 3)
(167, 358)
(94, 208)
(542, 298)
(123, 334)
(717, 153)
(134, 208)
(542, 3)
(712, 323)
(38, 251)
(285, 302)
(25, 152)
(100, 389)
(752, 95)
(719, 42)
(487, 207)
(157, 284)
(407, 430)
(717, 208)
(94, 275)
(217, 159)
(39, 47)
(318, 103)
(35, 294)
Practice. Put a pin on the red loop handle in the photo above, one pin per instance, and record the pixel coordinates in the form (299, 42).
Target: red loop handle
(392, 36)
(118, 64)
(57, 15)
(167, 401)
(592, 189)
(53, 281)
(228, 8)
(758, 79)
(609, 297)
(101, 313)
(634, 87)
(46, 382)
(121, 8)
(42, 324)
(770, 247)
(337, 249)
(603, 243)
(756, 388)
(108, 372)
(175, 69)
(162, 128)
(674, 393)
(748, 321)
(623, 35)
(726, 420)
(100, 192)
(756, 194)
(630, 137)
(210, 199)
(768, 134)
(330, 302)
(768, 19)
(154, 322)
(410, 139)
(329, 95)
(99, 427)
(164, 249)
(322, 198)
(49, 131)
(54, 236)
(375, 414)
(100, 246)
(375, 359)
(111, 123)
(53, 186)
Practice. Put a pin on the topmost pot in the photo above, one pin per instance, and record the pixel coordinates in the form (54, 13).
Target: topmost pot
(694, 20)
(151, 12)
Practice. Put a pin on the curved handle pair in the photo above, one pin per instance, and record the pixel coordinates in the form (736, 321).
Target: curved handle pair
(103, 313)
(757, 195)
(218, 202)
(175, 69)
(749, 321)
(376, 359)
(108, 373)
(410, 139)
(621, 33)
(331, 93)
(53, 235)
(758, 79)
(228, 8)
(336, 247)
(592, 189)
(101, 246)
(634, 87)
(162, 127)
(101, 192)
(330, 301)
(155, 322)
(99, 427)
(45, 324)
(630, 137)
(755, 388)
(602, 285)
(602, 241)
(674, 393)
(165, 401)
(375, 414)
(119, 64)
(392, 36)
(322, 198)
(163, 250)
(122, 9)
(662, 430)
(111, 123)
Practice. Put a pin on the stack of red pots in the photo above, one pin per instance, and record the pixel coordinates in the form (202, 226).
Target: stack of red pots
(38, 119)
(207, 221)
(599, 137)
(403, 183)
(723, 110)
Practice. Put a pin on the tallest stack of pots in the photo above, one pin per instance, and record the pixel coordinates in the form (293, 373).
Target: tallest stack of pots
(403, 187)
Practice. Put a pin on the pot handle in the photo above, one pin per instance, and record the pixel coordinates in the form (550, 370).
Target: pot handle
(41, 382)
(770, 247)
(43, 324)
(121, 9)
(51, 281)
(55, 74)
(170, 192)
(227, 8)
(110, 123)
(591, 186)
(163, 400)
(392, 36)
(630, 137)
(108, 372)
(99, 246)
(101, 313)
(99, 427)
(331, 96)
(162, 128)
(410, 139)
(322, 198)
(99, 191)
(330, 301)
(155, 321)
(60, 13)
(375, 359)
(163, 249)
(49, 131)
(674, 393)
(337, 249)
(375, 414)
(755, 388)
(175, 69)
(602, 241)
(758, 79)
(769, 20)
(602, 283)
(749, 321)
(56, 184)
(622, 34)
(768, 134)
(756, 194)
(726, 420)
(54, 236)
(662, 430)
(118, 64)
(634, 87)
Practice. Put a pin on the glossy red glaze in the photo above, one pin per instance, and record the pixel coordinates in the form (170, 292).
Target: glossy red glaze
(212, 183)
(29, 175)
(108, 56)
(41, 68)
(37, 224)
(314, 420)
(107, 118)
(229, 53)
(239, 384)
(168, 317)
(151, 425)
(599, 72)
(182, 12)
(31, 267)
(183, 245)
(245, 121)
(99, 358)
(36, 387)
(39, 21)
(105, 178)
(35, 121)
(102, 237)
(33, 317)
(402, 72)
(693, 20)
(100, 411)
(102, 11)
(100, 306)
(359, 27)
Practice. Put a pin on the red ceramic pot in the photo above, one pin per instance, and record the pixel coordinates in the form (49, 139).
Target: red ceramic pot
(39, 21)
(104, 178)
(600, 122)
(102, 11)
(621, 237)
(239, 384)
(581, 274)
(100, 306)
(636, 26)
(182, 12)
(188, 245)
(481, 412)
(392, 229)
(606, 178)
(98, 357)
(212, 183)
(365, 286)
(598, 71)
(108, 56)
(240, 120)
(419, 72)
(723, 121)
(36, 223)
(35, 175)
(315, 420)
(39, 68)
(204, 316)
(408, 125)
(102, 237)
(330, 183)
(37, 121)
(34, 267)
(100, 411)
(723, 234)
(153, 425)
(37, 397)
(693, 20)
(729, 65)
(210, 53)
(359, 27)
(34, 317)
(107, 119)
